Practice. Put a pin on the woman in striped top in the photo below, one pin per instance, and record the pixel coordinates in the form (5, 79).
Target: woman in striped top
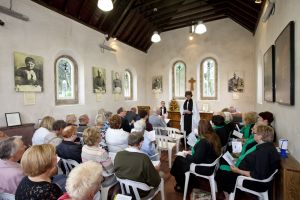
(92, 151)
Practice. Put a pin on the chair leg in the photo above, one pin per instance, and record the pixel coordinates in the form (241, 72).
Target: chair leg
(212, 187)
(104, 192)
(162, 189)
(264, 195)
(232, 196)
(186, 183)
(170, 157)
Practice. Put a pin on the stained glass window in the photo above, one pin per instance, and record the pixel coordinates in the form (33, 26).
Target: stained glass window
(209, 79)
(179, 70)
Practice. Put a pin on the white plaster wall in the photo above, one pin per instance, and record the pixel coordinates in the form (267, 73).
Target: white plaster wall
(49, 35)
(286, 117)
(229, 43)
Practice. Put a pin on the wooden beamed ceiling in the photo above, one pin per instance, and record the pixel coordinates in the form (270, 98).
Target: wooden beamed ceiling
(134, 21)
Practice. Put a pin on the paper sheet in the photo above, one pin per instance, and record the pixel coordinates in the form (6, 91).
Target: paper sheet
(237, 134)
(191, 139)
(229, 159)
(236, 147)
(180, 153)
(122, 197)
(166, 120)
(155, 163)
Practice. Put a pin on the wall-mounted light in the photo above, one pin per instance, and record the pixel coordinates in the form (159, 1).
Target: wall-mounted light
(155, 37)
(257, 1)
(105, 5)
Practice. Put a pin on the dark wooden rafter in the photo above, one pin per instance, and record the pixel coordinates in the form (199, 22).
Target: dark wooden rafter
(134, 21)
(181, 25)
(121, 19)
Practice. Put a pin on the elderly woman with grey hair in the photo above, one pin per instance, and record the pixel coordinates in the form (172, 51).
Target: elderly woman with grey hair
(11, 173)
(83, 182)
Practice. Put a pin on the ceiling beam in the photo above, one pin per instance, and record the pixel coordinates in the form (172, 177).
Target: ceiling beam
(130, 17)
(241, 15)
(121, 18)
(161, 6)
(246, 5)
(251, 14)
(192, 19)
(185, 24)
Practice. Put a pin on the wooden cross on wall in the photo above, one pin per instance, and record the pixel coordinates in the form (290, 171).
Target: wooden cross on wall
(192, 81)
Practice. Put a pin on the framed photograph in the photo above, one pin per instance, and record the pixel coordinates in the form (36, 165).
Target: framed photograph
(28, 72)
(116, 82)
(269, 74)
(13, 119)
(236, 82)
(157, 84)
(99, 80)
(285, 65)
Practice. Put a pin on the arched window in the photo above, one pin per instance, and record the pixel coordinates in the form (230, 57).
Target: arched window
(66, 81)
(128, 85)
(209, 79)
(179, 70)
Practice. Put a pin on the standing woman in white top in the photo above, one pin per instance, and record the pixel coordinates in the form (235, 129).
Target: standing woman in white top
(116, 138)
(45, 127)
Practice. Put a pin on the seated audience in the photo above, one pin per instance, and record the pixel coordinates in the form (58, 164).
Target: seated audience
(126, 125)
(83, 122)
(249, 119)
(220, 128)
(92, 151)
(148, 146)
(102, 127)
(156, 120)
(71, 119)
(11, 173)
(140, 167)
(267, 118)
(3, 135)
(116, 138)
(258, 162)
(45, 128)
(83, 182)
(69, 149)
(132, 116)
(39, 163)
(54, 137)
(206, 150)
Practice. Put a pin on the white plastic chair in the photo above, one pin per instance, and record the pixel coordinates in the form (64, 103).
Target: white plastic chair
(6, 196)
(211, 178)
(176, 135)
(239, 185)
(105, 190)
(165, 143)
(68, 164)
(127, 184)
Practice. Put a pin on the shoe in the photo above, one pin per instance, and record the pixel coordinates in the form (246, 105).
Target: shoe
(178, 188)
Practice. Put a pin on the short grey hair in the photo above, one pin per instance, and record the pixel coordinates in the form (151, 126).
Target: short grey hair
(83, 179)
(135, 138)
(8, 147)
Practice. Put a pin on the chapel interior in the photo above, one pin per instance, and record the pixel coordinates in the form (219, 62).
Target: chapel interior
(239, 33)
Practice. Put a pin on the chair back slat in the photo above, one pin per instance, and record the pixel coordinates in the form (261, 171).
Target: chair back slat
(6, 196)
(68, 165)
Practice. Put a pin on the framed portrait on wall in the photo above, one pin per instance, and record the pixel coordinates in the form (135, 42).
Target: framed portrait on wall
(236, 82)
(116, 82)
(157, 84)
(28, 72)
(285, 65)
(269, 74)
(99, 80)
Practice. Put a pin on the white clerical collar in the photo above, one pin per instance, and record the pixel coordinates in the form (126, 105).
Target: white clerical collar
(133, 149)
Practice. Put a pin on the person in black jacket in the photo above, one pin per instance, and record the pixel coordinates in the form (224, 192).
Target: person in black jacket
(258, 162)
(206, 150)
(221, 129)
(126, 125)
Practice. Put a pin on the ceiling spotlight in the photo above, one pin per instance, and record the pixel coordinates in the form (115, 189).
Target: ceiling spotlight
(155, 37)
(257, 1)
(200, 28)
(105, 5)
